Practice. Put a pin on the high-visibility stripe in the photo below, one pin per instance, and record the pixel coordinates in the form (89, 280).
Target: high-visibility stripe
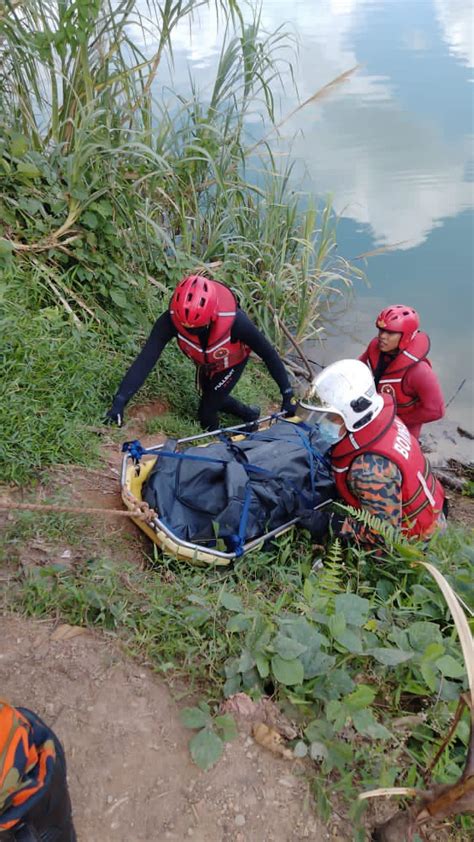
(411, 356)
(188, 342)
(218, 345)
(426, 489)
(354, 442)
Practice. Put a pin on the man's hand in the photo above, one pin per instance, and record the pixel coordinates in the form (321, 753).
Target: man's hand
(289, 403)
(316, 522)
(113, 416)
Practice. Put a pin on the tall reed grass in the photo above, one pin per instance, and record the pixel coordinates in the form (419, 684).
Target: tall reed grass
(111, 191)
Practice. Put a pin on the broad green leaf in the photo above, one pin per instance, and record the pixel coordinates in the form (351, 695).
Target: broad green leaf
(351, 640)
(337, 713)
(90, 220)
(206, 748)
(433, 651)
(429, 674)
(287, 648)
(231, 601)
(263, 665)
(194, 718)
(390, 657)
(339, 755)
(196, 616)
(400, 638)
(366, 724)
(232, 685)
(414, 687)
(251, 679)
(246, 661)
(238, 623)
(316, 663)
(30, 205)
(287, 672)
(231, 667)
(226, 723)
(337, 624)
(421, 634)
(118, 298)
(304, 632)
(450, 667)
(360, 698)
(354, 608)
(28, 169)
(19, 146)
(318, 729)
(300, 749)
(332, 684)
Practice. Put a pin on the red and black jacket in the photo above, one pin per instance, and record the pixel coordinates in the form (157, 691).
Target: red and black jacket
(221, 353)
(392, 380)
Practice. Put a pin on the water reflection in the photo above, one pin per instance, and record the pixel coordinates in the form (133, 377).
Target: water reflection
(393, 146)
(456, 19)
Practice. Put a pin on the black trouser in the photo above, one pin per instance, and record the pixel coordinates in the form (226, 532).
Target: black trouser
(49, 820)
(215, 397)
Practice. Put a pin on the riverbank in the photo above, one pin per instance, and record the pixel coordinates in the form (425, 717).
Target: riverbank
(104, 577)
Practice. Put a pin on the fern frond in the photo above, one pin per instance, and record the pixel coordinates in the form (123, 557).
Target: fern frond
(390, 534)
(330, 580)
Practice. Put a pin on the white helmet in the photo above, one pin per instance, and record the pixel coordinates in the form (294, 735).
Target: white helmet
(346, 388)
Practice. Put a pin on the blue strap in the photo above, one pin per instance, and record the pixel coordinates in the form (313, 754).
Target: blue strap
(136, 451)
(236, 541)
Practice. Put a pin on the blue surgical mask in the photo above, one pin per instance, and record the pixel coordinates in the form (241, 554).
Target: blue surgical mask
(330, 431)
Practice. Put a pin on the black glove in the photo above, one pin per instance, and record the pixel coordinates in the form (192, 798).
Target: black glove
(115, 414)
(289, 403)
(316, 522)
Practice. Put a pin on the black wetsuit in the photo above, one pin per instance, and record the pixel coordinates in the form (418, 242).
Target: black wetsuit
(215, 389)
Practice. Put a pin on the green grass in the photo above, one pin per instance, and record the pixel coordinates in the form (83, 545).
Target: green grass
(271, 625)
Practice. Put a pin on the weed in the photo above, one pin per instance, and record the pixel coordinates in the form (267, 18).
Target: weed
(347, 656)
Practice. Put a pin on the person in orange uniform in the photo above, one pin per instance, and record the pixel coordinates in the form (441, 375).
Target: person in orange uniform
(378, 465)
(34, 798)
(397, 358)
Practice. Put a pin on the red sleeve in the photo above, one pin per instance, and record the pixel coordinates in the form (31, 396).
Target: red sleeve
(365, 356)
(420, 380)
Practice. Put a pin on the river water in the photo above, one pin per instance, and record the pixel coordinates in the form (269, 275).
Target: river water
(393, 148)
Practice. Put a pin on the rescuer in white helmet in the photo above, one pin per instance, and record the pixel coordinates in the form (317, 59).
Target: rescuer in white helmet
(378, 465)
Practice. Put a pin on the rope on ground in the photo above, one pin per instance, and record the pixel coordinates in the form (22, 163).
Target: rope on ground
(139, 509)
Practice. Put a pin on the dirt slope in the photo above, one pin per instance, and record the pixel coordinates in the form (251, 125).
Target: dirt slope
(130, 773)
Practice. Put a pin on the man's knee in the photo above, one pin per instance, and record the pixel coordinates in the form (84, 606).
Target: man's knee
(208, 418)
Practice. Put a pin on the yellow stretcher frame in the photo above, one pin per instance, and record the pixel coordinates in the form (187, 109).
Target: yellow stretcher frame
(133, 477)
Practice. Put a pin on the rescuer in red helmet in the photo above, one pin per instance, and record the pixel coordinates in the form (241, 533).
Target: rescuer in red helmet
(205, 319)
(398, 360)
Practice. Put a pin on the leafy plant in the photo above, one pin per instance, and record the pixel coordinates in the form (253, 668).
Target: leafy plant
(368, 670)
(213, 731)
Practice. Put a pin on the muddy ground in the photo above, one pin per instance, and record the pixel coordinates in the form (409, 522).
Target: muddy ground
(130, 772)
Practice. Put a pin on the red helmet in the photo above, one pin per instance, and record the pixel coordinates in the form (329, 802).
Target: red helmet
(194, 301)
(399, 319)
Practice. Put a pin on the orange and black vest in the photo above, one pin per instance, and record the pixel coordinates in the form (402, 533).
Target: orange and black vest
(221, 352)
(391, 381)
(386, 435)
